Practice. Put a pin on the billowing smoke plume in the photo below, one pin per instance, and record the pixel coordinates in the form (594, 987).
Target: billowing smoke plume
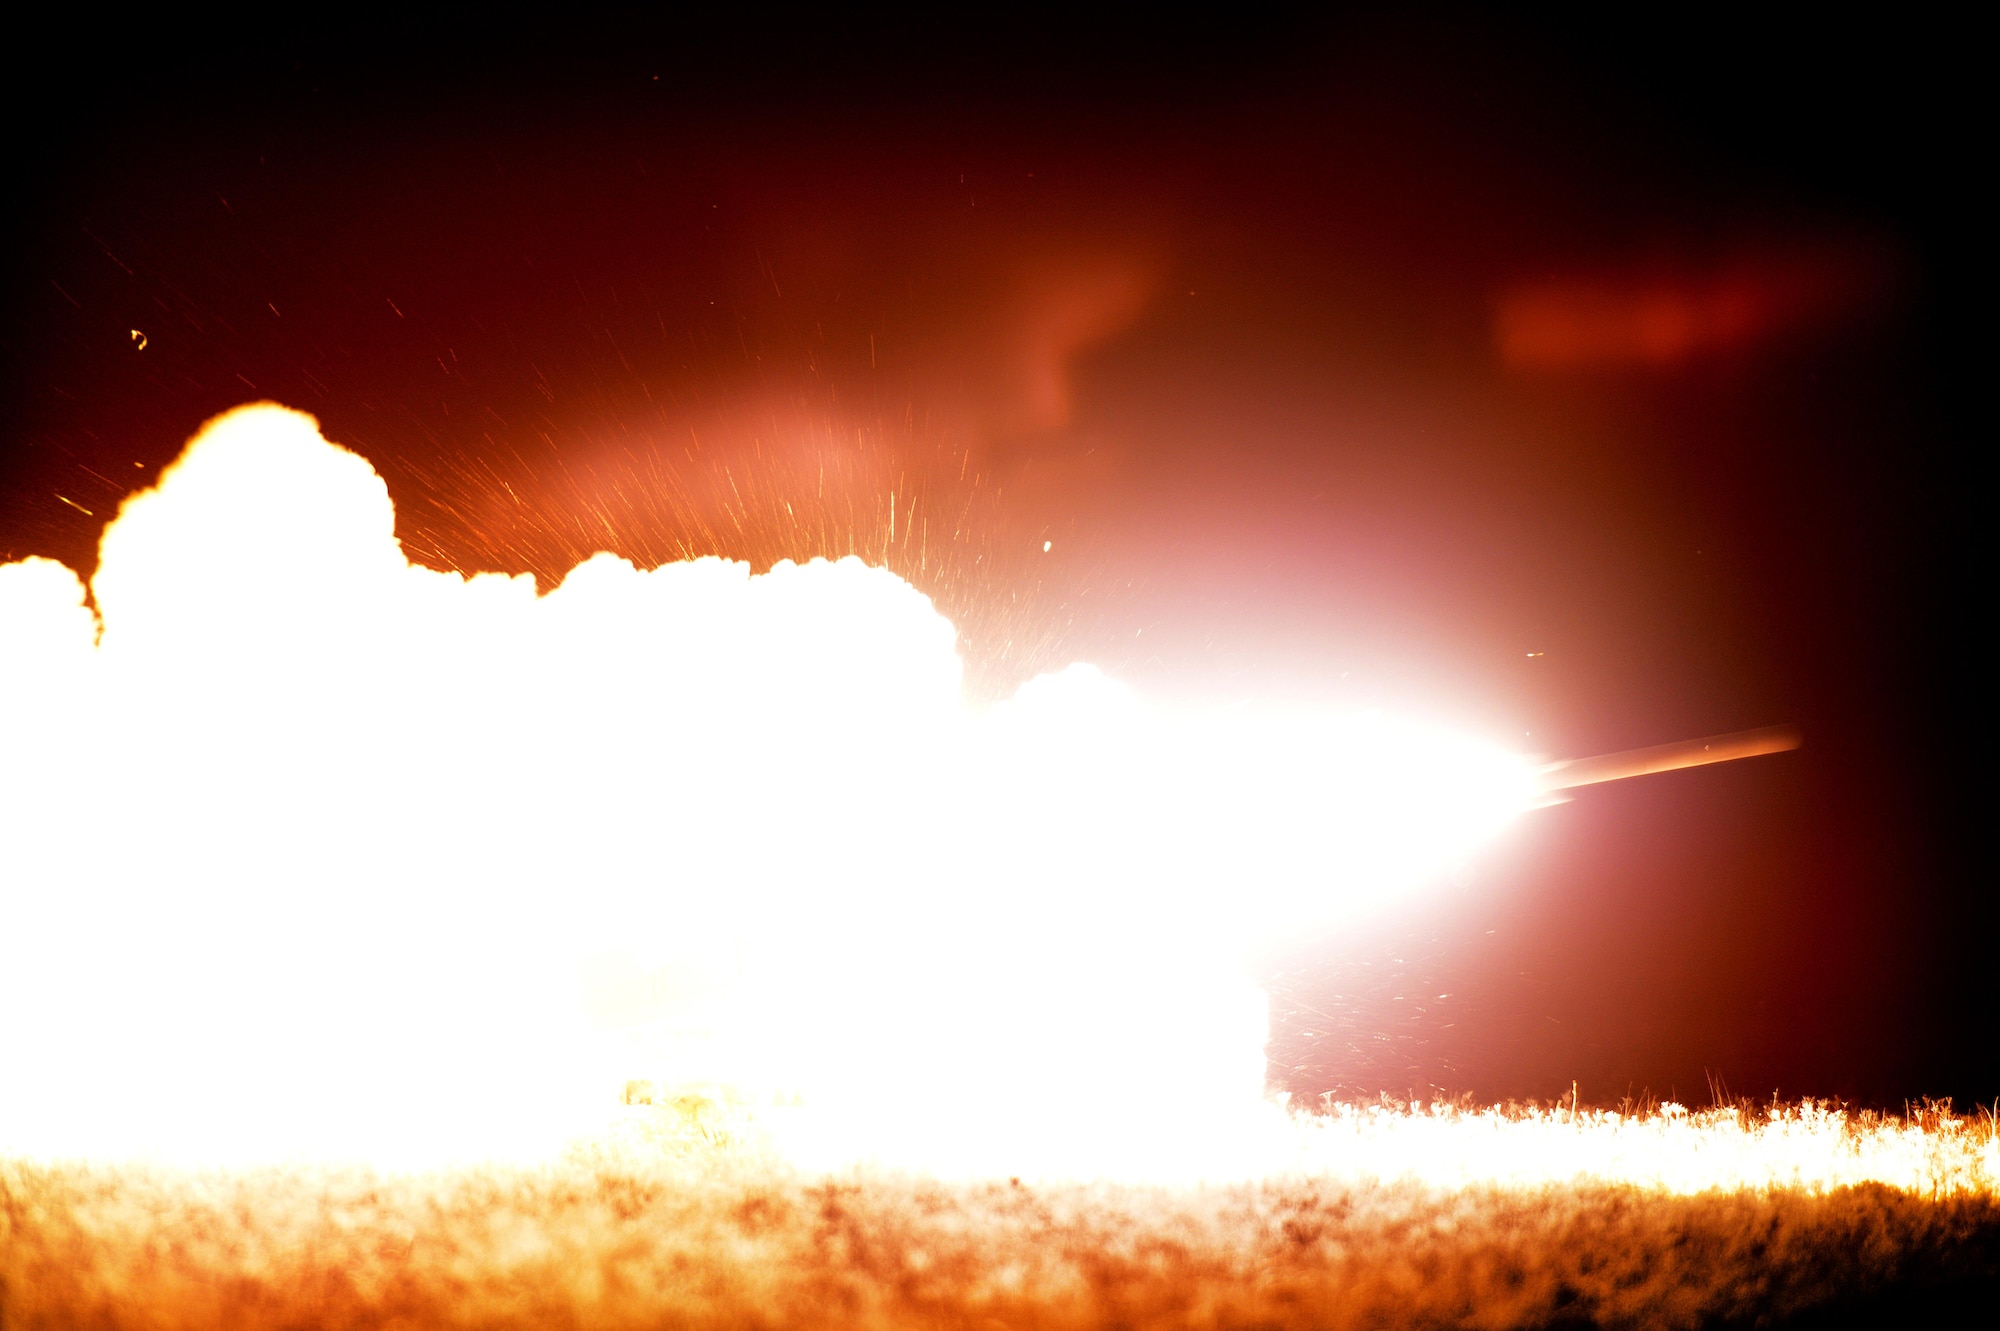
(313, 851)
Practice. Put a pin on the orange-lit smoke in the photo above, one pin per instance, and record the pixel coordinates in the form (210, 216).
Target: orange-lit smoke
(1664, 315)
(1062, 311)
(314, 852)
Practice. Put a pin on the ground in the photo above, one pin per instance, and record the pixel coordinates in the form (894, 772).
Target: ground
(677, 1222)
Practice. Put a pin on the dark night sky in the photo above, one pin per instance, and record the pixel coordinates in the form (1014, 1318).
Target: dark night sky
(1319, 352)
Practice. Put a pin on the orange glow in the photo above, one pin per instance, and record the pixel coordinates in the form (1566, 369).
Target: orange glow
(1667, 316)
(1399, 1220)
(314, 846)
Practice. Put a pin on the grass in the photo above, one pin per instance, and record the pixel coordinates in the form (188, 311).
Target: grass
(1520, 1216)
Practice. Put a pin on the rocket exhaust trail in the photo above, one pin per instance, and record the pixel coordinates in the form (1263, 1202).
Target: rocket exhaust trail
(1669, 757)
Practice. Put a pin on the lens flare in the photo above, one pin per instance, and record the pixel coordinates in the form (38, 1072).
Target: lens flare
(315, 852)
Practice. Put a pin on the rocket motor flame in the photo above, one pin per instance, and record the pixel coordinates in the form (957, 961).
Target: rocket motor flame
(315, 852)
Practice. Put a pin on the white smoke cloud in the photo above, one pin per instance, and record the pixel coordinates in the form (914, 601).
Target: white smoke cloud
(316, 852)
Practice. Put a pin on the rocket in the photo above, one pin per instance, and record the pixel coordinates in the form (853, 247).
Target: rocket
(1570, 773)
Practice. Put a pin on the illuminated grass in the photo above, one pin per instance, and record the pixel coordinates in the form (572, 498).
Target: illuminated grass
(682, 1218)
